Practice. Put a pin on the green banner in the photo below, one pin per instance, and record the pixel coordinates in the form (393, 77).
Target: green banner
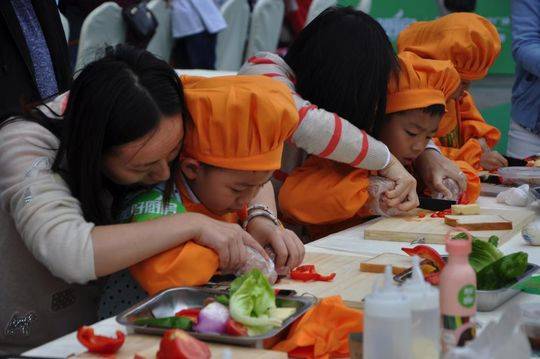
(396, 15)
(498, 12)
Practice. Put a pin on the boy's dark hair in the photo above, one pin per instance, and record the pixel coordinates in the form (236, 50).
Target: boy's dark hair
(342, 61)
(460, 5)
(435, 110)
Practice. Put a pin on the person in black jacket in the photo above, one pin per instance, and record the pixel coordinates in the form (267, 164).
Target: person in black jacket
(34, 63)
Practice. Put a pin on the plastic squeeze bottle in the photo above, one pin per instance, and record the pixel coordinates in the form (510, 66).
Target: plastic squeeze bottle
(424, 301)
(387, 322)
(457, 294)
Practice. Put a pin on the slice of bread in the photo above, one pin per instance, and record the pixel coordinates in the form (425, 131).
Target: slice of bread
(377, 264)
(479, 222)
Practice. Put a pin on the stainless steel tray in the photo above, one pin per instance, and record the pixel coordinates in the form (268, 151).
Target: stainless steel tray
(170, 301)
(487, 300)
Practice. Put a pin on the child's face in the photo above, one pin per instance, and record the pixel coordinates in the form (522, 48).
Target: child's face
(407, 133)
(222, 190)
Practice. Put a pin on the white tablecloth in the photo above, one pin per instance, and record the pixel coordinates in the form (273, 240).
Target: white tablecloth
(348, 241)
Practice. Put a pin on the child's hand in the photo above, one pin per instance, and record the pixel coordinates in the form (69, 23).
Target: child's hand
(492, 160)
(228, 240)
(403, 196)
(432, 168)
(288, 248)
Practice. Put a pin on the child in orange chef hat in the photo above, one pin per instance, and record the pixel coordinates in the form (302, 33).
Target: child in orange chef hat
(472, 43)
(326, 195)
(232, 145)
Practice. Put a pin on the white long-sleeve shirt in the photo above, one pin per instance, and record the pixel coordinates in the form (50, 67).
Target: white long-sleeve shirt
(189, 17)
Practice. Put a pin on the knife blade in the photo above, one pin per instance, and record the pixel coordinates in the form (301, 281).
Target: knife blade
(434, 204)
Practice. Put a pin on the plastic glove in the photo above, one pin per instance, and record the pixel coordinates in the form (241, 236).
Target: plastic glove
(452, 186)
(256, 260)
(376, 189)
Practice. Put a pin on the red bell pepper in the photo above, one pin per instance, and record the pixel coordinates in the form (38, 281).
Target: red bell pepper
(307, 272)
(426, 252)
(190, 313)
(98, 343)
(235, 329)
(177, 344)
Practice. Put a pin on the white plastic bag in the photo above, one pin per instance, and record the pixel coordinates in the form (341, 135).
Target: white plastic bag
(500, 340)
(517, 196)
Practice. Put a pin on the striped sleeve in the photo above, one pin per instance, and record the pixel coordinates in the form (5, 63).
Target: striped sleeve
(322, 133)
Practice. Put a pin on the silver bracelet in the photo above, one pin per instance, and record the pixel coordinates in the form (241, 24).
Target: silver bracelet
(260, 210)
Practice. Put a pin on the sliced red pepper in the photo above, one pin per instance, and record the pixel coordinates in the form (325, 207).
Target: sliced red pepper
(235, 329)
(190, 313)
(177, 344)
(307, 273)
(434, 215)
(426, 252)
(98, 343)
(421, 214)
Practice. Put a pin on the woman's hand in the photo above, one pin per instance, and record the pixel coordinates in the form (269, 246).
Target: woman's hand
(228, 240)
(288, 247)
(432, 168)
(403, 196)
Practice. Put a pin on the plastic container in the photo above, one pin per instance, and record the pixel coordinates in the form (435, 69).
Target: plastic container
(457, 294)
(387, 322)
(424, 302)
(520, 175)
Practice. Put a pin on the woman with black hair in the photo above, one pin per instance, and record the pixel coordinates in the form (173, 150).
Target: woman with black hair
(341, 63)
(60, 177)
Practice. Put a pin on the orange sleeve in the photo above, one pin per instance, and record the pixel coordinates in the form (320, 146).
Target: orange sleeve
(473, 181)
(323, 192)
(470, 152)
(473, 124)
(187, 265)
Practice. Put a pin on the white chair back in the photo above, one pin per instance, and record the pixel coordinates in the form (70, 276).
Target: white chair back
(231, 42)
(162, 42)
(65, 25)
(102, 27)
(266, 21)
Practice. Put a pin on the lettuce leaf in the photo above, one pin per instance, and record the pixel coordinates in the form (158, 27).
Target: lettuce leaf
(253, 303)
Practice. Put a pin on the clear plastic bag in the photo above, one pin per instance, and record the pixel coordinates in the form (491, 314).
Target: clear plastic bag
(498, 340)
(452, 186)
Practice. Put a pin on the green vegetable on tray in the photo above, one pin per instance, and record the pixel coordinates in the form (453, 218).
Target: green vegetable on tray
(167, 322)
(493, 269)
(502, 272)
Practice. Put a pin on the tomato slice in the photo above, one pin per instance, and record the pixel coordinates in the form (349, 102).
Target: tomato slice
(235, 329)
(190, 313)
(99, 343)
(177, 344)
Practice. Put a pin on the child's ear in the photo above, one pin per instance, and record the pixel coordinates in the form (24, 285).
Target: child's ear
(191, 168)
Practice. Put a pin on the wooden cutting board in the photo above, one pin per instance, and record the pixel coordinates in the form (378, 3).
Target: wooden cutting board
(433, 230)
(147, 346)
(350, 283)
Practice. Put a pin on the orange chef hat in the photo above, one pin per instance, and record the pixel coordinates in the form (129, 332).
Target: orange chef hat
(420, 83)
(239, 122)
(470, 41)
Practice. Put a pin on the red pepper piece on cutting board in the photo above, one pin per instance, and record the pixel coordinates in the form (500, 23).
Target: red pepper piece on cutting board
(98, 343)
(177, 344)
(190, 313)
(307, 273)
(426, 252)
